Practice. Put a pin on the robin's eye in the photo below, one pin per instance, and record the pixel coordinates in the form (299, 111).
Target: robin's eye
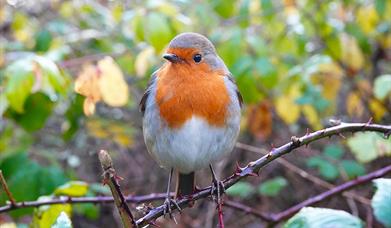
(197, 58)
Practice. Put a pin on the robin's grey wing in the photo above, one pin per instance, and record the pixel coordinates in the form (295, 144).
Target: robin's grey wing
(147, 92)
(239, 96)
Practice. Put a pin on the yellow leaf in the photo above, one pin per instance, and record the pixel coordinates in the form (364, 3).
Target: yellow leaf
(354, 105)
(312, 116)
(378, 109)
(144, 60)
(286, 107)
(72, 188)
(351, 55)
(8, 225)
(112, 85)
(86, 83)
(329, 75)
(88, 107)
(367, 18)
(123, 139)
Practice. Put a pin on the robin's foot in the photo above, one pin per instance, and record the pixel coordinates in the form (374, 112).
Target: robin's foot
(217, 191)
(168, 203)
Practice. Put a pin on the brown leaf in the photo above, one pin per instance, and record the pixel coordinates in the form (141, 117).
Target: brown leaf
(260, 120)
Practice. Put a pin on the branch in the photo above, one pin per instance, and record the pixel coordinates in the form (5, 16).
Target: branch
(325, 195)
(110, 177)
(304, 174)
(77, 200)
(275, 218)
(253, 167)
(6, 189)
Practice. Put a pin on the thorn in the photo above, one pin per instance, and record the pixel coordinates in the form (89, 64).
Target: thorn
(118, 178)
(269, 154)
(341, 135)
(253, 174)
(296, 141)
(238, 169)
(369, 121)
(387, 134)
(334, 122)
(308, 131)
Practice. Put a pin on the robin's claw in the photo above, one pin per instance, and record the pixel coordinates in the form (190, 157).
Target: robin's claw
(168, 203)
(217, 191)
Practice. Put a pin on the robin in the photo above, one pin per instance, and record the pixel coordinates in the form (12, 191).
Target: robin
(191, 113)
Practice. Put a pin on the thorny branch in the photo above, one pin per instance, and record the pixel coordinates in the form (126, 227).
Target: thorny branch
(253, 167)
(274, 218)
(110, 178)
(250, 170)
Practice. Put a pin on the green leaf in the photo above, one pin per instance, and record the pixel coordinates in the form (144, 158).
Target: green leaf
(52, 78)
(73, 115)
(89, 210)
(367, 146)
(72, 188)
(158, 31)
(268, 72)
(380, 6)
(333, 151)
(22, 173)
(62, 221)
(38, 108)
(381, 201)
(241, 189)
(310, 217)
(225, 8)
(138, 26)
(272, 187)
(19, 82)
(382, 87)
(326, 169)
(244, 11)
(43, 40)
(352, 168)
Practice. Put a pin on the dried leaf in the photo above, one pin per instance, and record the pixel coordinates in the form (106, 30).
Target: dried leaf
(354, 105)
(260, 120)
(143, 61)
(112, 86)
(88, 106)
(351, 55)
(86, 83)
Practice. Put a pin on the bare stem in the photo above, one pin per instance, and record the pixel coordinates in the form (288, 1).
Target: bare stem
(6, 189)
(110, 177)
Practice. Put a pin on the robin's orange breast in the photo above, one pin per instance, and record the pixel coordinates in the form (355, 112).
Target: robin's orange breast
(187, 90)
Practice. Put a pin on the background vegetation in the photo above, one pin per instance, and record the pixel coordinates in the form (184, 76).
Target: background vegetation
(297, 64)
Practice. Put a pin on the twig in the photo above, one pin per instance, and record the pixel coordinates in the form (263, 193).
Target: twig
(340, 188)
(248, 210)
(275, 218)
(254, 167)
(77, 200)
(110, 177)
(6, 189)
(220, 213)
(303, 173)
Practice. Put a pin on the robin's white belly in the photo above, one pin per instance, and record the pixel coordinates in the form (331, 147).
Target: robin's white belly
(193, 146)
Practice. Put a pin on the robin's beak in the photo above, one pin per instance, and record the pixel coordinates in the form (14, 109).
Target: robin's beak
(171, 57)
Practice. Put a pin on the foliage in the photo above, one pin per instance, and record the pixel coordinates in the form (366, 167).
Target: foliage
(381, 201)
(72, 73)
(322, 217)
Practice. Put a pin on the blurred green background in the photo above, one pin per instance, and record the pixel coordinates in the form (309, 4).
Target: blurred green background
(297, 64)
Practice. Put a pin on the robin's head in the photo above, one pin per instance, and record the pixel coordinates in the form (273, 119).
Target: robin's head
(193, 49)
